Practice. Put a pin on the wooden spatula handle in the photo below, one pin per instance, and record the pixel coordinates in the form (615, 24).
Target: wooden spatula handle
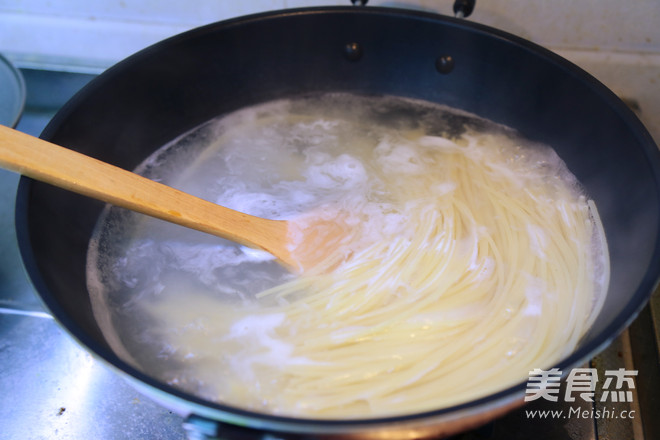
(50, 163)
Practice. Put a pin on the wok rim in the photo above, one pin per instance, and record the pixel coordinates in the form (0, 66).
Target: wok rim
(253, 419)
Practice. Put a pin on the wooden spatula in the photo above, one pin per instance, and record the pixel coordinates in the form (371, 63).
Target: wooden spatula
(73, 171)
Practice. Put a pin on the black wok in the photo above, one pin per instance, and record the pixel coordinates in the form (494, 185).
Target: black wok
(156, 95)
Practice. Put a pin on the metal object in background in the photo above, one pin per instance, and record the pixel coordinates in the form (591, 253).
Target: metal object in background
(463, 8)
(12, 93)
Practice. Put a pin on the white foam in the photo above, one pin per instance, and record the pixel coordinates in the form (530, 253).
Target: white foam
(534, 293)
(538, 240)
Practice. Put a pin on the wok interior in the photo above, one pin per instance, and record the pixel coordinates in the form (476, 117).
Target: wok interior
(155, 96)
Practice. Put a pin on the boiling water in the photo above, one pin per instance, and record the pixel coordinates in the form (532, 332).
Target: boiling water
(205, 315)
